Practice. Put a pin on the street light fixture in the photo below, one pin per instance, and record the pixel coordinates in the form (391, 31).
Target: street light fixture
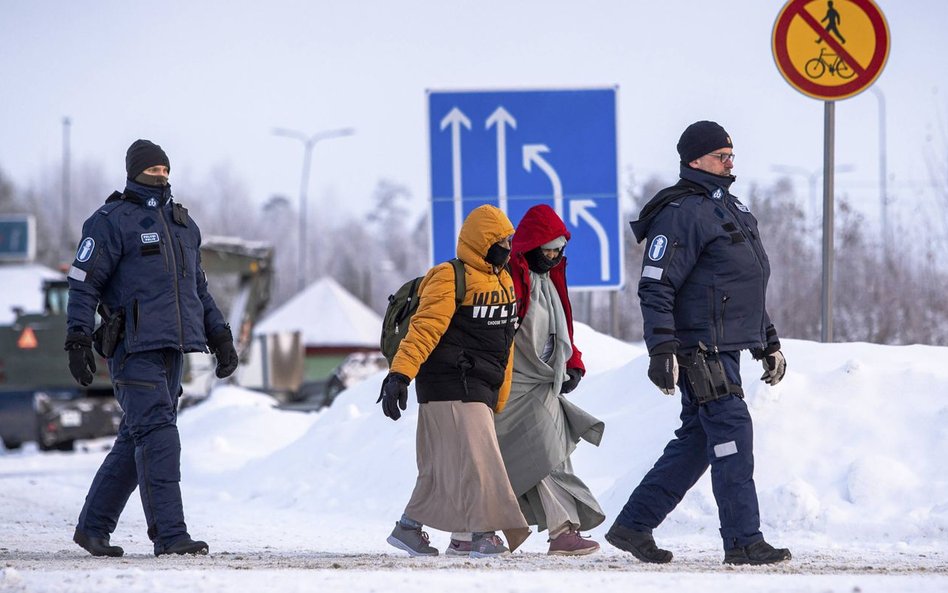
(308, 143)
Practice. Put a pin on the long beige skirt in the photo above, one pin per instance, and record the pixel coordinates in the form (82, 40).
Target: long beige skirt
(462, 483)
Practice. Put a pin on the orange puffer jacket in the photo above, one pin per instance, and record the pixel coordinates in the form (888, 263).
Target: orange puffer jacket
(464, 354)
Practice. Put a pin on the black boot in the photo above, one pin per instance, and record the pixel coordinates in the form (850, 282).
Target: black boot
(97, 546)
(638, 543)
(757, 553)
(185, 545)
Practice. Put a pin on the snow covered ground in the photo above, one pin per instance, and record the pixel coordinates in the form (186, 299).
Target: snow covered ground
(852, 476)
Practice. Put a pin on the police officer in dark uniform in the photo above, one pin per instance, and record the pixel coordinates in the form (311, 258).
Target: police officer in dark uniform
(702, 292)
(139, 264)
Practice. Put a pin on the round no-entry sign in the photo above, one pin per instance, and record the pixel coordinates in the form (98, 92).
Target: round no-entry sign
(830, 49)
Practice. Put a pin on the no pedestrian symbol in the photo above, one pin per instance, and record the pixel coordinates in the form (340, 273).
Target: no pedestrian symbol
(830, 49)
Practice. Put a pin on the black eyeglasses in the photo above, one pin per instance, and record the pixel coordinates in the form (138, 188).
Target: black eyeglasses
(724, 156)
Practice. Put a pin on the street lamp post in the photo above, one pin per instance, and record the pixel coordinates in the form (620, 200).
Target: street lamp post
(65, 246)
(883, 192)
(308, 143)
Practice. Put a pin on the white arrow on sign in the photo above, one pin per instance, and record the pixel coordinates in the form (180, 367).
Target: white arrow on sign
(579, 209)
(456, 118)
(501, 118)
(531, 154)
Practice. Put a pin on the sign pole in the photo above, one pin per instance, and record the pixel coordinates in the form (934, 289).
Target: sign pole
(829, 142)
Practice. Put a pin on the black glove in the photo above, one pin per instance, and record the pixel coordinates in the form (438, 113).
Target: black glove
(81, 359)
(570, 384)
(394, 395)
(663, 371)
(221, 345)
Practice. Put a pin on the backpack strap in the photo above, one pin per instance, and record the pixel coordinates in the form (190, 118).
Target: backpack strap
(460, 283)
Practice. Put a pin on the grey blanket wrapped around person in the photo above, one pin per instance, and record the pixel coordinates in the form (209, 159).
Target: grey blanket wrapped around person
(540, 428)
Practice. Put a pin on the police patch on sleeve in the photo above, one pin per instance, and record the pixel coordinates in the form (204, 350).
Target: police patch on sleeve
(656, 249)
(150, 237)
(741, 207)
(85, 249)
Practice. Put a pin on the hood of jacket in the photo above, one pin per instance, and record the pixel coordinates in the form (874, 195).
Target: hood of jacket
(693, 181)
(538, 226)
(483, 227)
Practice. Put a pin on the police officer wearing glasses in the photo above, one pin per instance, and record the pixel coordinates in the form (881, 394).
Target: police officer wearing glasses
(702, 292)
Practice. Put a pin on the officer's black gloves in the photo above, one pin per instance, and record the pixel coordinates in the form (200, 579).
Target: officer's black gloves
(81, 359)
(394, 395)
(575, 375)
(221, 345)
(772, 359)
(663, 367)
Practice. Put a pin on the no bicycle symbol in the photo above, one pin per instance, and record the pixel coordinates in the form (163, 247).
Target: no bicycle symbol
(830, 49)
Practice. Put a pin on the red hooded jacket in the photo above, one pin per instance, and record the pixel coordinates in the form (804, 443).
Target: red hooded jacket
(539, 226)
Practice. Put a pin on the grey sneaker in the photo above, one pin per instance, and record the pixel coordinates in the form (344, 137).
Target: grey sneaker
(458, 548)
(488, 546)
(413, 541)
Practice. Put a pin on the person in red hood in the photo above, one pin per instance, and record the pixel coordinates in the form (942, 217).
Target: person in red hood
(540, 427)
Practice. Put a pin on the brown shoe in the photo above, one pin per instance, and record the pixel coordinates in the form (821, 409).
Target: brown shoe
(572, 543)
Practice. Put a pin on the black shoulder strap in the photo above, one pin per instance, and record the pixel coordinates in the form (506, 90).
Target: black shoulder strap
(116, 195)
(460, 283)
(180, 214)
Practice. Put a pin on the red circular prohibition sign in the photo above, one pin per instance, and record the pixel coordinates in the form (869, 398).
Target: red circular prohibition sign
(864, 75)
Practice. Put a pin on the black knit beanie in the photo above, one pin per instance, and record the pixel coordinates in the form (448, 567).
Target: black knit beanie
(143, 154)
(700, 138)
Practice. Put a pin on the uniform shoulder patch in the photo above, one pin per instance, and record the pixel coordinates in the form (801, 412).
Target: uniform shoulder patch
(656, 249)
(86, 247)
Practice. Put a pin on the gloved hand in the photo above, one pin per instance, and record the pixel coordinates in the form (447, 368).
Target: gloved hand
(394, 395)
(81, 359)
(221, 345)
(575, 375)
(663, 371)
(775, 367)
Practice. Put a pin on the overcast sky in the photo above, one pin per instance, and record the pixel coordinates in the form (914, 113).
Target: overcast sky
(209, 81)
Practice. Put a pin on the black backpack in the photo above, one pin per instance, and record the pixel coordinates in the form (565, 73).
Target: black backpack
(403, 304)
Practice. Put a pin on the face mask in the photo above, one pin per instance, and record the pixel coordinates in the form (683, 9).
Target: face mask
(152, 180)
(497, 256)
(539, 263)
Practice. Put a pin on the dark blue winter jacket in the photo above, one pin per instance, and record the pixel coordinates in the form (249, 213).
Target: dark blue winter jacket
(704, 272)
(140, 253)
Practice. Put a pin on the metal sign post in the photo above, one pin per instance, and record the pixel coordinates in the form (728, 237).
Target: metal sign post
(829, 148)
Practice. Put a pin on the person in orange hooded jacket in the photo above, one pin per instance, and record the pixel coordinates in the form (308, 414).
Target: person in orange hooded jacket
(541, 427)
(460, 358)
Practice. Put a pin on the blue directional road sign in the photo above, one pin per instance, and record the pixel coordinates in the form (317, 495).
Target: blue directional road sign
(515, 149)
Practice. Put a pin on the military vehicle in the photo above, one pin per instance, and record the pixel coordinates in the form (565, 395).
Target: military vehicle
(39, 399)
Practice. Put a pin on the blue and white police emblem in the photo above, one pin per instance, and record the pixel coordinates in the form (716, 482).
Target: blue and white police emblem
(741, 207)
(656, 250)
(150, 238)
(85, 249)
(718, 194)
(152, 203)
